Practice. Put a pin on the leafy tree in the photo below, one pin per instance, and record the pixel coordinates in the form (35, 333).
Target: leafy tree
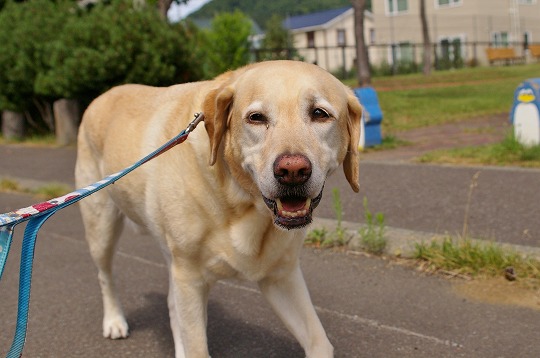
(277, 39)
(227, 42)
(25, 29)
(259, 10)
(114, 44)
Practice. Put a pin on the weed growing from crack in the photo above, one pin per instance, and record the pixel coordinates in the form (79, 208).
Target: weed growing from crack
(338, 237)
(372, 233)
(465, 257)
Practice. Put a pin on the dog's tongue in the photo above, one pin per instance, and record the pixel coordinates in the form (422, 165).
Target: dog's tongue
(293, 204)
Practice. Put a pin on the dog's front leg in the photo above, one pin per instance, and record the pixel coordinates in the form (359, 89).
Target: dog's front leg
(188, 299)
(289, 297)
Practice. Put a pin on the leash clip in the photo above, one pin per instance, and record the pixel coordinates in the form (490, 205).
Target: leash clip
(199, 117)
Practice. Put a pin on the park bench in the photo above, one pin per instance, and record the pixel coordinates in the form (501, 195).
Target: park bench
(506, 54)
(534, 50)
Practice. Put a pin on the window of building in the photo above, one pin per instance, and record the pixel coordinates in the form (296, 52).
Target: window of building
(527, 2)
(448, 3)
(310, 39)
(499, 39)
(451, 51)
(405, 52)
(402, 52)
(341, 38)
(395, 7)
(372, 36)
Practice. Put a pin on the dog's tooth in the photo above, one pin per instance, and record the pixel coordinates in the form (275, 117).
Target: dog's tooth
(279, 205)
(291, 214)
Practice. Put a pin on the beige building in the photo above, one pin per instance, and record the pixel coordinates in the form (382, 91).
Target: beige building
(461, 30)
(327, 37)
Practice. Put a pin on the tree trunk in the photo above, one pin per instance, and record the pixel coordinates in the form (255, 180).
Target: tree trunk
(45, 111)
(362, 58)
(12, 125)
(425, 39)
(163, 7)
(67, 116)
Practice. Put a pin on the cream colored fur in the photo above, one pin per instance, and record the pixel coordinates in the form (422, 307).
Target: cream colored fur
(203, 199)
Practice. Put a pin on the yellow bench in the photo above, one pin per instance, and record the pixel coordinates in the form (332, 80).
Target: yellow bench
(506, 54)
(534, 50)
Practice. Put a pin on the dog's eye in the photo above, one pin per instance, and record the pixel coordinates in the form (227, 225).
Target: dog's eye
(257, 118)
(319, 113)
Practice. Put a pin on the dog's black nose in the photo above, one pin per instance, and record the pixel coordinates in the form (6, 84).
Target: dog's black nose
(292, 169)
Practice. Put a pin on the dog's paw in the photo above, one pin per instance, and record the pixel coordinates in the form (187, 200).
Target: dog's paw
(115, 328)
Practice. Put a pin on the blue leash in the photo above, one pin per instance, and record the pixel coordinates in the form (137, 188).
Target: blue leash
(37, 214)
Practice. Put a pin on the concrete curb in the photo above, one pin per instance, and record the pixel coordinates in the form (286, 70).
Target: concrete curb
(401, 242)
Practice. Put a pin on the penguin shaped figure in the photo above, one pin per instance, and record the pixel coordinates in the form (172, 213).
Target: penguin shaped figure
(526, 115)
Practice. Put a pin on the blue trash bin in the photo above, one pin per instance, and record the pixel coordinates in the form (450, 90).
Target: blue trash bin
(525, 114)
(371, 123)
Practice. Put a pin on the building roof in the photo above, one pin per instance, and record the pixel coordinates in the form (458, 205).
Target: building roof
(314, 19)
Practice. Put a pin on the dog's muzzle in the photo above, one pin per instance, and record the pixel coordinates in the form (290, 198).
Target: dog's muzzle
(291, 211)
(292, 207)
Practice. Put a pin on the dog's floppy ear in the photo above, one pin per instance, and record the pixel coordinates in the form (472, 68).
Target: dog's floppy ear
(351, 162)
(216, 109)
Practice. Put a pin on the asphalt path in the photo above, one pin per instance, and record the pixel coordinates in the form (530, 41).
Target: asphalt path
(504, 205)
(430, 198)
(370, 307)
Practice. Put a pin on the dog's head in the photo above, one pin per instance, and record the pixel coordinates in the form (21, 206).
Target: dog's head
(283, 127)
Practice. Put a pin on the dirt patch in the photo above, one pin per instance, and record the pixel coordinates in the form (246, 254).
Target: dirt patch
(471, 132)
(499, 291)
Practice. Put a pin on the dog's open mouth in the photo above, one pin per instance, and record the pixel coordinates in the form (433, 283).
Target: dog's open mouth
(292, 212)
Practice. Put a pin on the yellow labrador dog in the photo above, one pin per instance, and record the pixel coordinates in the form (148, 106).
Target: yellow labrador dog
(234, 200)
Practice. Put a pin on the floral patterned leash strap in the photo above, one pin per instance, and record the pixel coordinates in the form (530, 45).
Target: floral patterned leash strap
(37, 214)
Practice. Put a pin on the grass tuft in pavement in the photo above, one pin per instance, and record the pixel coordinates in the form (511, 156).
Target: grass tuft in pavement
(464, 257)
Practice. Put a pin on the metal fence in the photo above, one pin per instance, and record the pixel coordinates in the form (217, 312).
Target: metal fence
(388, 59)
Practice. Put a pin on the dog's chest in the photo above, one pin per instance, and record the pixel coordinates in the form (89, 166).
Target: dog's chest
(253, 258)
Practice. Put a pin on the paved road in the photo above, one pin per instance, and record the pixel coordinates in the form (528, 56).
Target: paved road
(370, 307)
(504, 205)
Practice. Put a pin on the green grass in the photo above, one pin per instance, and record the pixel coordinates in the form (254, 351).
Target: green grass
(47, 191)
(337, 238)
(465, 257)
(507, 152)
(388, 142)
(409, 109)
(51, 190)
(471, 74)
(413, 101)
(38, 140)
(8, 185)
(372, 234)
